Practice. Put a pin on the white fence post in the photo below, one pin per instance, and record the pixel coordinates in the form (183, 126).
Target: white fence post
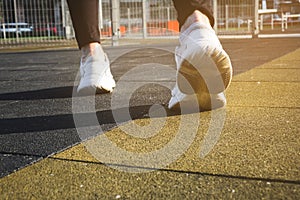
(16, 20)
(4, 31)
(227, 16)
(63, 17)
(255, 28)
(100, 17)
(215, 10)
(129, 21)
(115, 7)
(168, 14)
(144, 18)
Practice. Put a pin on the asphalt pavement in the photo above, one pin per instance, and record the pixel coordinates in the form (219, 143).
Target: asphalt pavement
(126, 145)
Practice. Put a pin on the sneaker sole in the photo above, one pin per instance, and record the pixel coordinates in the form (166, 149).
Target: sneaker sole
(190, 81)
(88, 91)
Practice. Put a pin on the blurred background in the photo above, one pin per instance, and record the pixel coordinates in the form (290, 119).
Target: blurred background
(27, 22)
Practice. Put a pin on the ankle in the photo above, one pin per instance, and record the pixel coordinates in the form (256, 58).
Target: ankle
(89, 50)
(196, 16)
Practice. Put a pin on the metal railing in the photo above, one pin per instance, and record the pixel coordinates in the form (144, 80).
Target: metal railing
(234, 17)
(48, 21)
(34, 21)
(139, 19)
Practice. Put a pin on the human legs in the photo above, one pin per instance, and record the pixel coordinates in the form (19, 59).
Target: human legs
(203, 67)
(94, 67)
(186, 8)
(84, 16)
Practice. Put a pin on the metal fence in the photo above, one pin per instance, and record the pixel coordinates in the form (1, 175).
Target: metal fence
(234, 17)
(48, 21)
(138, 18)
(34, 21)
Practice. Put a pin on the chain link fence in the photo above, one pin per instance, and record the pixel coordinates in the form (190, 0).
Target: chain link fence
(48, 21)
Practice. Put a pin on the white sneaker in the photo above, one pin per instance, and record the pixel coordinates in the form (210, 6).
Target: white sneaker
(95, 74)
(196, 102)
(203, 68)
